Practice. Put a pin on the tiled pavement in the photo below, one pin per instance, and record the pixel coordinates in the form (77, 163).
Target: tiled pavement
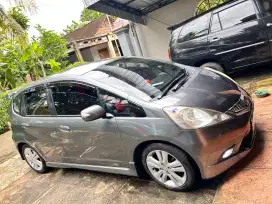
(247, 182)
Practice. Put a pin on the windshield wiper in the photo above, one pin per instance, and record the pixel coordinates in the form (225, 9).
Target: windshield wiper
(181, 83)
(173, 83)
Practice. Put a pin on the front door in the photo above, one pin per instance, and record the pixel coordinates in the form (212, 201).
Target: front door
(92, 143)
(237, 37)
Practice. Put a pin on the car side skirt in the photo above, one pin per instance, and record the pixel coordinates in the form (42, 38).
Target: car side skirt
(108, 169)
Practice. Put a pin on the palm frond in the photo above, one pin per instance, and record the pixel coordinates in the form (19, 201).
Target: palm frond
(28, 5)
(8, 25)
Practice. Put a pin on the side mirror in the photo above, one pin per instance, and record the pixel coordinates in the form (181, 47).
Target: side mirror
(92, 113)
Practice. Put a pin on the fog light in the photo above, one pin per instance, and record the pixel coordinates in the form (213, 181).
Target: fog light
(227, 153)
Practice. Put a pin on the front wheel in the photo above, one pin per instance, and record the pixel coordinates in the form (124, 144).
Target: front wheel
(33, 159)
(169, 166)
(214, 66)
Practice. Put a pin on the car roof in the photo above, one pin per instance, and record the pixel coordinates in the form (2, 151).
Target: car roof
(76, 71)
(173, 27)
(91, 73)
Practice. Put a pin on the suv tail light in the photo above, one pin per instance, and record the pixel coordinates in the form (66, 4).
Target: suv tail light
(169, 53)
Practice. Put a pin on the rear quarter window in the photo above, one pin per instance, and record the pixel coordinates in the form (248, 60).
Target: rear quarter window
(17, 104)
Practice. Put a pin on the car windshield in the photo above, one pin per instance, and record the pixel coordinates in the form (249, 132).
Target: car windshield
(149, 76)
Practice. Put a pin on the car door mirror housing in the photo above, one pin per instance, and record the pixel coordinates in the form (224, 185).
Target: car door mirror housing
(93, 113)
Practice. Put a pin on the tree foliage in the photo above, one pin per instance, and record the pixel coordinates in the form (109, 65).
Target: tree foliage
(53, 45)
(47, 51)
(8, 25)
(89, 15)
(86, 16)
(73, 26)
(17, 14)
(205, 5)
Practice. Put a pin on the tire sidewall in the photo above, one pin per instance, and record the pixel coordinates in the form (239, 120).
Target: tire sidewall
(214, 66)
(179, 155)
(44, 168)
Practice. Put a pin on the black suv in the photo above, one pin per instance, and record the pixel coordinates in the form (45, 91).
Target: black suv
(229, 37)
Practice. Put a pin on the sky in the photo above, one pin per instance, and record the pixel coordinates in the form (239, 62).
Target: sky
(53, 14)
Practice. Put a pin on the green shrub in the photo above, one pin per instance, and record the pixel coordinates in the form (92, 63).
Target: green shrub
(4, 104)
(75, 64)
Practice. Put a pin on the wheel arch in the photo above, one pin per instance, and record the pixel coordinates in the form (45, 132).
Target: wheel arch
(137, 155)
(20, 149)
(203, 61)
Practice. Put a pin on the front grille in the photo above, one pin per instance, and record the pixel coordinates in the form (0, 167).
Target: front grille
(241, 105)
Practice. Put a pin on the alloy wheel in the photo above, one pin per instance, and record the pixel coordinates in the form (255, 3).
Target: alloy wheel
(166, 168)
(33, 159)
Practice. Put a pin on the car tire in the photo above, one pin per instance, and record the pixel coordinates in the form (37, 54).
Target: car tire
(214, 66)
(178, 176)
(34, 160)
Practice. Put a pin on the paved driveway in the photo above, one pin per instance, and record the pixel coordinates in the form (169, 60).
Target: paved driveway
(247, 182)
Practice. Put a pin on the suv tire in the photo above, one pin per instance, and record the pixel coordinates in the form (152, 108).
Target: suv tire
(169, 166)
(213, 65)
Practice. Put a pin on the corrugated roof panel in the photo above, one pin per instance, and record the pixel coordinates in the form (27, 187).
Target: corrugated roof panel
(134, 10)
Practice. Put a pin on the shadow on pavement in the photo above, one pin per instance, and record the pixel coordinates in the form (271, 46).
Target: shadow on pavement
(251, 74)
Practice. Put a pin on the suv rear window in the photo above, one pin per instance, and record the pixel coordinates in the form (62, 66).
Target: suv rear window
(194, 29)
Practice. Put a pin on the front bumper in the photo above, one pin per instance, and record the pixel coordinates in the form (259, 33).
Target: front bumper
(242, 148)
(206, 146)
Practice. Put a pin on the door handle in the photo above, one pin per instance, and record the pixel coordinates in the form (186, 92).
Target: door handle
(215, 39)
(64, 128)
(269, 24)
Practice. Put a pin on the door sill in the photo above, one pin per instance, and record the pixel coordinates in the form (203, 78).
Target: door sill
(108, 169)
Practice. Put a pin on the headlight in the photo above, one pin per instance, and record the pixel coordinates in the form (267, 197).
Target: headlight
(194, 118)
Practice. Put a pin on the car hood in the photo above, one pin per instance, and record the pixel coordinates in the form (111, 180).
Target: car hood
(204, 89)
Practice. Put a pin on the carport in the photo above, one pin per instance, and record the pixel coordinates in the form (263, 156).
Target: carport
(150, 18)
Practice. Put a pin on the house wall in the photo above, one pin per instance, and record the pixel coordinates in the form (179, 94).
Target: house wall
(87, 55)
(154, 37)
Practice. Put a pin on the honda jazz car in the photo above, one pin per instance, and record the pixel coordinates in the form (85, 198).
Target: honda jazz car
(133, 116)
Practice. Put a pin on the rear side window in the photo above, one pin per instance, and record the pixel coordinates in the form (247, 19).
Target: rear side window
(17, 104)
(216, 24)
(36, 102)
(194, 29)
(236, 15)
(266, 6)
(71, 98)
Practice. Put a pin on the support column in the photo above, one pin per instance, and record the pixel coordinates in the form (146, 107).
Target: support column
(110, 46)
(77, 51)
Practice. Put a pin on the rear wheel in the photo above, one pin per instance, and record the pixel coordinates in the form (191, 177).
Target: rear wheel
(214, 65)
(169, 166)
(33, 159)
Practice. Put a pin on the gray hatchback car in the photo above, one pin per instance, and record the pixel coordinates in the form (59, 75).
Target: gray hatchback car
(133, 116)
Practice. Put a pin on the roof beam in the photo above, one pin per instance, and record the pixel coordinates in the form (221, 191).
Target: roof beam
(157, 5)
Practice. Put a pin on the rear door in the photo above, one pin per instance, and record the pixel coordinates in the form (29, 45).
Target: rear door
(237, 37)
(265, 7)
(37, 123)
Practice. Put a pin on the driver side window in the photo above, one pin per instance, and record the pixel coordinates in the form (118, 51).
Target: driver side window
(119, 106)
